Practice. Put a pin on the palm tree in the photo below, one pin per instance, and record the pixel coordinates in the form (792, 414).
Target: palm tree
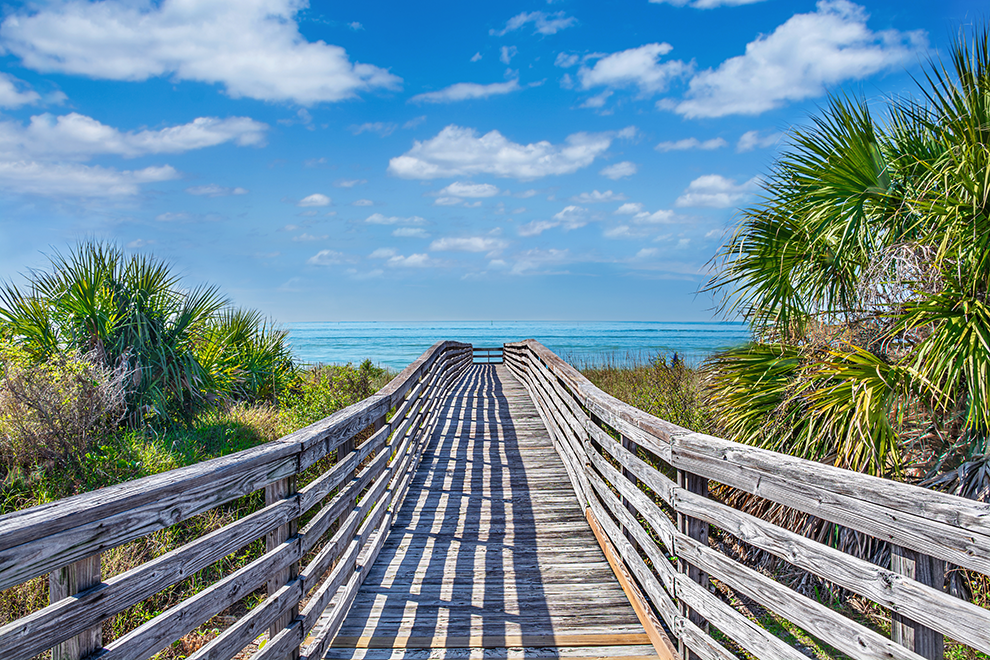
(864, 272)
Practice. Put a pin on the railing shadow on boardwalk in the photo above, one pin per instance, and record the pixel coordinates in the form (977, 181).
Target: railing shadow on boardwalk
(470, 514)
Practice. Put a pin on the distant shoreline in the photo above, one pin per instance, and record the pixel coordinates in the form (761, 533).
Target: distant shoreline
(396, 344)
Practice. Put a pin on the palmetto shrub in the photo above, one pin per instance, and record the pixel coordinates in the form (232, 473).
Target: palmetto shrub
(184, 347)
(865, 274)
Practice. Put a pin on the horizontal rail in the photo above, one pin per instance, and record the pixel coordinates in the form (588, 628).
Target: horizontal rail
(644, 482)
(487, 355)
(352, 501)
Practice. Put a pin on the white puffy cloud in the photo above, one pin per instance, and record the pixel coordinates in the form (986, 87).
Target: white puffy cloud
(507, 53)
(566, 60)
(716, 191)
(705, 4)
(638, 67)
(619, 170)
(11, 94)
(305, 238)
(543, 23)
(330, 258)
(466, 91)
(754, 140)
(381, 128)
(798, 60)
(692, 143)
(463, 189)
(598, 100)
(316, 199)
(214, 190)
(77, 136)
(447, 201)
(457, 151)
(379, 219)
(251, 47)
(662, 216)
(468, 244)
(476, 56)
(595, 197)
(362, 202)
(629, 208)
(73, 179)
(410, 232)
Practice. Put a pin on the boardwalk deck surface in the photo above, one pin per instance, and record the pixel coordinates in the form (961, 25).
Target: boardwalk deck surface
(490, 555)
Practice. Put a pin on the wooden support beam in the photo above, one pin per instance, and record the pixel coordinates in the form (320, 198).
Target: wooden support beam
(274, 493)
(697, 530)
(927, 570)
(68, 581)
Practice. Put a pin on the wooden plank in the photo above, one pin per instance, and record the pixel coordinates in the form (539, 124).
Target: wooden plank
(471, 490)
(911, 634)
(695, 529)
(700, 642)
(30, 635)
(658, 482)
(799, 484)
(489, 641)
(658, 637)
(644, 429)
(648, 581)
(647, 508)
(825, 624)
(741, 630)
(208, 487)
(274, 493)
(64, 583)
(154, 635)
(659, 559)
(232, 640)
(966, 622)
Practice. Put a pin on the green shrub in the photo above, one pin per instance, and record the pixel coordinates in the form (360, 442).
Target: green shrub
(52, 411)
(185, 348)
(325, 388)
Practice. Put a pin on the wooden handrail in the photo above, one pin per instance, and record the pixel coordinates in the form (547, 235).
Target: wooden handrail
(357, 494)
(487, 355)
(619, 459)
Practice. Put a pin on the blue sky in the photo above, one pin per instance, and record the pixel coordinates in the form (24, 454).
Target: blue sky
(426, 161)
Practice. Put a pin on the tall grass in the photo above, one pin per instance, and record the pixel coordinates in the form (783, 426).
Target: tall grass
(662, 385)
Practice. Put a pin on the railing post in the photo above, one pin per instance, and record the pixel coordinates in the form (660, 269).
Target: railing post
(630, 446)
(697, 530)
(68, 581)
(274, 492)
(927, 570)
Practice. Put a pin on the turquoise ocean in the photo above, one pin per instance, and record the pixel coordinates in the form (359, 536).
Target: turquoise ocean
(395, 345)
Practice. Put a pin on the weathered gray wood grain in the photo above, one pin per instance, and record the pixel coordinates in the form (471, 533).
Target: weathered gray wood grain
(961, 620)
(825, 624)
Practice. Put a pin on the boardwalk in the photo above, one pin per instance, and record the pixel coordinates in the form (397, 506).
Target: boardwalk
(490, 554)
(451, 523)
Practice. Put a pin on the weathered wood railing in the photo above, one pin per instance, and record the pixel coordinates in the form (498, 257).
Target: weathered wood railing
(310, 579)
(645, 485)
(487, 355)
